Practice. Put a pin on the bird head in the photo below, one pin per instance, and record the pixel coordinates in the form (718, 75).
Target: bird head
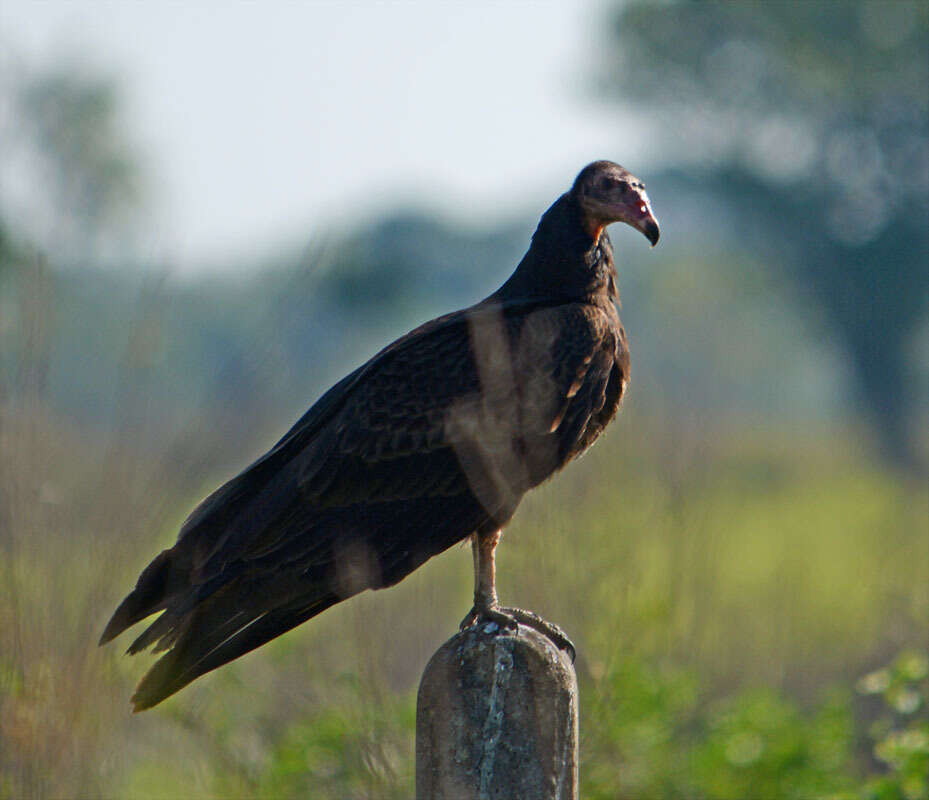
(605, 193)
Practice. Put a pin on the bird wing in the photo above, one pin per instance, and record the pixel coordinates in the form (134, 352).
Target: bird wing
(427, 441)
(440, 412)
(379, 437)
(480, 402)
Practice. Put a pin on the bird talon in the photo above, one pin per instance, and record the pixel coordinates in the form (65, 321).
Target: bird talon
(510, 619)
(469, 620)
(548, 629)
(491, 615)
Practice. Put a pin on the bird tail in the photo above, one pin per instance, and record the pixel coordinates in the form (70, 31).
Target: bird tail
(217, 631)
(159, 583)
(204, 626)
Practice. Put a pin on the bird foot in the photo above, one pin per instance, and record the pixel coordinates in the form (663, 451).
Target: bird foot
(489, 614)
(512, 618)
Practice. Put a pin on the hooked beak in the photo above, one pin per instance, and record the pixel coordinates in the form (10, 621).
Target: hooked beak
(638, 214)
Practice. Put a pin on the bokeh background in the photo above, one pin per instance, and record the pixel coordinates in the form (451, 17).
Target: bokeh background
(211, 211)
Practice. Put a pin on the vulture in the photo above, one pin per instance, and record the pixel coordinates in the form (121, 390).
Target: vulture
(433, 441)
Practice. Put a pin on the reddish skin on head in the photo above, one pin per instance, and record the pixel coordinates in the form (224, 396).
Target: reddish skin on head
(605, 193)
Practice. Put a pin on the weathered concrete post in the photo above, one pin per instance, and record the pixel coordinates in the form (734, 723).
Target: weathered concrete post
(496, 719)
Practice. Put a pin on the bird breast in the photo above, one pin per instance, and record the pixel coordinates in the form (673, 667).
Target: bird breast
(549, 383)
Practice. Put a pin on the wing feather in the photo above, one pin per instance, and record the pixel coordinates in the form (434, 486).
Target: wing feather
(438, 435)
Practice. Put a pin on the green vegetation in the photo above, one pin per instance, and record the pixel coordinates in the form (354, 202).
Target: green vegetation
(726, 592)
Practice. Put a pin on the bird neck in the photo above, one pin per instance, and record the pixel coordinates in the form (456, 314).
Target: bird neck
(565, 262)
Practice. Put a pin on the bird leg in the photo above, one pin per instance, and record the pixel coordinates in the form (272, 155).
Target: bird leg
(485, 589)
(487, 609)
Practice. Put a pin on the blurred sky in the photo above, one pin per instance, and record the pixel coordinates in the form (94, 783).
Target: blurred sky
(261, 122)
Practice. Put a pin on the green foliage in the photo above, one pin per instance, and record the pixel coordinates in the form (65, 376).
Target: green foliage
(759, 743)
(631, 723)
(652, 731)
(900, 733)
(663, 737)
(332, 753)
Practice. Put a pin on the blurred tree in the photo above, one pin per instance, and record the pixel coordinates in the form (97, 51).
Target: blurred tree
(72, 178)
(812, 121)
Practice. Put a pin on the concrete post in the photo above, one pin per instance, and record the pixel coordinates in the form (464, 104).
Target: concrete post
(496, 719)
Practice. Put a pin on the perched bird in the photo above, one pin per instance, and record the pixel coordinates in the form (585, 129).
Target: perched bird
(434, 440)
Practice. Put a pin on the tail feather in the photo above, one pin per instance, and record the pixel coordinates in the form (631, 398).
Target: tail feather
(205, 645)
(157, 585)
(159, 631)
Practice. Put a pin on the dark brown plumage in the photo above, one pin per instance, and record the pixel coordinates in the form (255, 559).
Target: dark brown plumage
(433, 440)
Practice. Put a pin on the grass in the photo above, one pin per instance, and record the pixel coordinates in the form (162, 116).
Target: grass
(719, 585)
